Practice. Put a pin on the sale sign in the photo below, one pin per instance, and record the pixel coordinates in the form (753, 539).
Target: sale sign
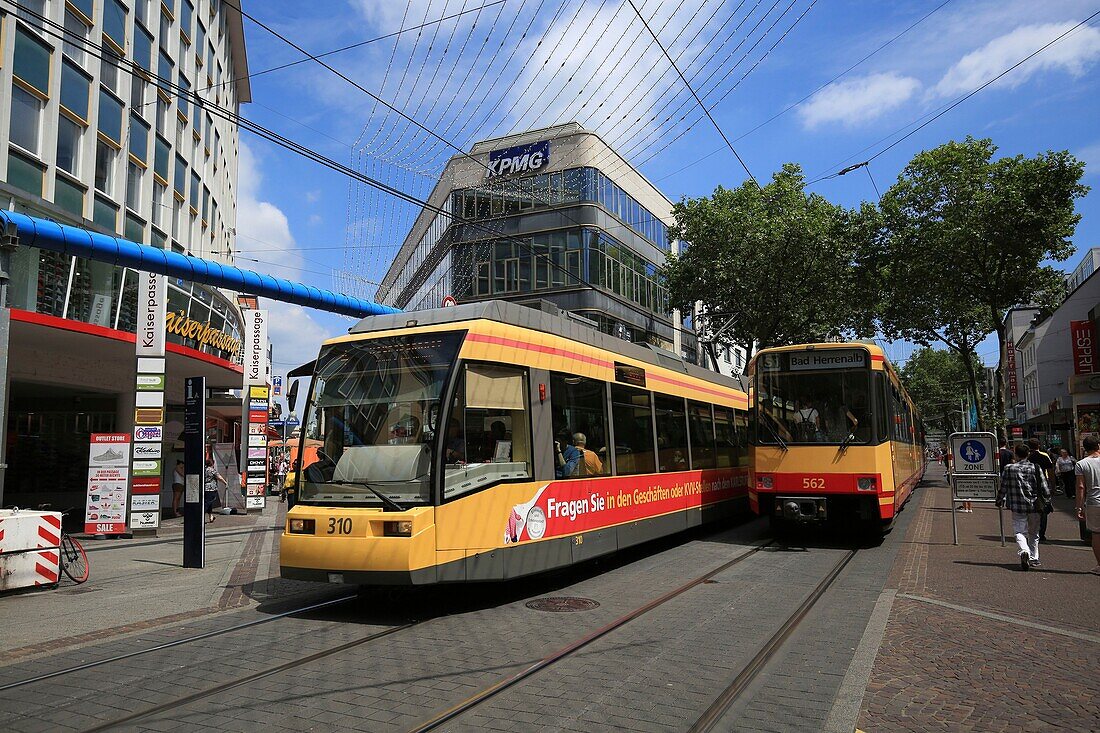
(108, 474)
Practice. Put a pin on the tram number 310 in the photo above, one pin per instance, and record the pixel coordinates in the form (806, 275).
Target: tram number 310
(339, 525)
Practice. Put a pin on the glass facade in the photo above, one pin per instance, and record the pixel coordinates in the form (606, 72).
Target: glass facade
(570, 186)
(555, 260)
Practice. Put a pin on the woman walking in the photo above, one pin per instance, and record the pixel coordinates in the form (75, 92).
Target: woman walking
(211, 477)
(1066, 479)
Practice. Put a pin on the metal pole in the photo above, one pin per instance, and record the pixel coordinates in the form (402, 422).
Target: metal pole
(8, 240)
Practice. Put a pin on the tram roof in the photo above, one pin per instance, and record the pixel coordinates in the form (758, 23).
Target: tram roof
(873, 348)
(522, 316)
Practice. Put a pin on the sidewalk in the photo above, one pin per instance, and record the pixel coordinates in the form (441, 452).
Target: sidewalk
(975, 644)
(141, 584)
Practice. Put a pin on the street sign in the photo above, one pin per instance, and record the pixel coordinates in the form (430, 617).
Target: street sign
(974, 453)
(975, 488)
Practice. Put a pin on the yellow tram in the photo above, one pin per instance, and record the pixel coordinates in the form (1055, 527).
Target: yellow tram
(837, 437)
(490, 441)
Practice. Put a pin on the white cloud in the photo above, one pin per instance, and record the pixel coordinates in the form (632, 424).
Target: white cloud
(1091, 155)
(263, 233)
(314, 220)
(858, 100)
(1073, 54)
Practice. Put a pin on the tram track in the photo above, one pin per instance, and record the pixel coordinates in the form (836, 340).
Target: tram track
(174, 643)
(714, 713)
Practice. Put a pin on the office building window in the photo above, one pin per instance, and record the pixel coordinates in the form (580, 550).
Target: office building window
(76, 33)
(30, 10)
(105, 156)
(76, 89)
(109, 73)
(114, 22)
(134, 177)
(162, 159)
(69, 135)
(139, 139)
(137, 94)
(32, 61)
(26, 119)
(110, 117)
(160, 192)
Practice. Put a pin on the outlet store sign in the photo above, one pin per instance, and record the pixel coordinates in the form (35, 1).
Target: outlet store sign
(519, 159)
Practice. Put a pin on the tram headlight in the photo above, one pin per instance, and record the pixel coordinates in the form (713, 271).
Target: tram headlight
(765, 482)
(866, 483)
(403, 528)
(300, 526)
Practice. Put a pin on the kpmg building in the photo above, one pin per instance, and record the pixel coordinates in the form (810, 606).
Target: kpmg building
(551, 215)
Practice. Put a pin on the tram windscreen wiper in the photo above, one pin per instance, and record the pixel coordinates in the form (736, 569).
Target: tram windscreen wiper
(851, 434)
(774, 432)
(382, 497)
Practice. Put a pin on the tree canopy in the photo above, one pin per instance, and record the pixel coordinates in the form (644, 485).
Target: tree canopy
(772, 264)
(964, 239)
(937, 382)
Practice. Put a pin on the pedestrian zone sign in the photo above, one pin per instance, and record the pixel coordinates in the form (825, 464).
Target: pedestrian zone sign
(975, 488)
(974, 454)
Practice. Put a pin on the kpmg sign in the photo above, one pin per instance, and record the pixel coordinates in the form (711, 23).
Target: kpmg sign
(520, 159)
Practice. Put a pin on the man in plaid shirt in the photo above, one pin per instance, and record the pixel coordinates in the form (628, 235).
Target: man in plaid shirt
(1024, 490)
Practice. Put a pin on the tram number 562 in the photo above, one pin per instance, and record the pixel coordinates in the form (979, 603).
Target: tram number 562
(813, 483)
(339, 525)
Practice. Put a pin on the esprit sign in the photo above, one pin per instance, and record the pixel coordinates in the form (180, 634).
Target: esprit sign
(152, 300)
(255, 355)
(1083, 336)
(519, 159)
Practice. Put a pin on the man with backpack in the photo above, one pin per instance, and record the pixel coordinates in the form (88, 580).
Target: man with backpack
(1024, 490)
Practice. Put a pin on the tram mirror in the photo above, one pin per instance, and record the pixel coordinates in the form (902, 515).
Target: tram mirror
(292, 396)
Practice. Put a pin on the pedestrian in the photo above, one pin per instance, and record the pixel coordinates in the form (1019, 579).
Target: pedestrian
(1066, 474)
(211, 477)
(1024, 490)
(1042, 459)
(177, 489)
(1005, 455)
(1087, 471)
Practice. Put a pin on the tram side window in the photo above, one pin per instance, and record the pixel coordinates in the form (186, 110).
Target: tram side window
(672, 439)
(882, 407)
(725, 433)
(701, 433)
(579, 408)
(632, 412)
(488, 437)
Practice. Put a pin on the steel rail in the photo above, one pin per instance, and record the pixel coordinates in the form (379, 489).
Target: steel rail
(224, 686)
(177, 642)
(721, 705)
(480, 697)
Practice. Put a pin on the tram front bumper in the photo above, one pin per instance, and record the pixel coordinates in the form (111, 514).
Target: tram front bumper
(803, 509)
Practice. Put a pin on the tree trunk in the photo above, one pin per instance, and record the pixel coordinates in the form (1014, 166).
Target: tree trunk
(967, 355)
(1002, 382)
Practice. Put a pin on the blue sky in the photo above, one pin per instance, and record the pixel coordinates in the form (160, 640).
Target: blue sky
(522, 64)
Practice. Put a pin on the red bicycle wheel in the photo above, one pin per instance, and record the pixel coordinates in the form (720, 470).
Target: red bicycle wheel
(74, 561)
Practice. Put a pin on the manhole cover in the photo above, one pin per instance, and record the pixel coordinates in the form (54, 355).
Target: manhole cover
(562, 604)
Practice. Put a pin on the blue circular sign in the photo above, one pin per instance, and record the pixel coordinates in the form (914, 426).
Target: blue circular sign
(972, 451)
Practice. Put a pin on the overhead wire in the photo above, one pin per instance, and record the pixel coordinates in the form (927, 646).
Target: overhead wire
(693, 93)
(293, 146)
(943, 110)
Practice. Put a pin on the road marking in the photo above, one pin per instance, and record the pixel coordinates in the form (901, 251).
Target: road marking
(849, 698)
(1001, 617)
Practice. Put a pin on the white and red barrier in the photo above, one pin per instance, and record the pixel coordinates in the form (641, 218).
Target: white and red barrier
(29, 548)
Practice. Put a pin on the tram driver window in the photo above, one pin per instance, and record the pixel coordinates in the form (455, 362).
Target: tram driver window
(579, 414)
(487, 438)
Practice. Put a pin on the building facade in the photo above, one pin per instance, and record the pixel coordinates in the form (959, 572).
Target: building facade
(92, 135)
(551, 215)
(1059, 380)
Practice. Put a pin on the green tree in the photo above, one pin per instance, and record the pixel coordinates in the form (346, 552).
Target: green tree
(937, 382)
(771, 265)
(965, 238)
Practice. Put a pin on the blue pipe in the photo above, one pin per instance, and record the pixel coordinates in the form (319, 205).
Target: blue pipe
(45, 234)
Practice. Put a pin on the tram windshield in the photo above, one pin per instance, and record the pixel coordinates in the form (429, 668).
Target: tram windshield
(797, 403)
(373, 415)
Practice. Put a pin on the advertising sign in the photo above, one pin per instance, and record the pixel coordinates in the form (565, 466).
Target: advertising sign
(255, 408)
(149, 433)
(519, 159)
(145, 503)
(108, 474)
(146, 484)
(152, 301)
(146, 520)
(255, 347)
(1010, 365)
(1083, 337)
(147, 450)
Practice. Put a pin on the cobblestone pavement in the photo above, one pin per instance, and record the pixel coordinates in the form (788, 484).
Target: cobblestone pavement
(974, 644)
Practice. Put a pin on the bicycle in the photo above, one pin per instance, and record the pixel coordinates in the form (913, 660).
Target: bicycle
(72, 557)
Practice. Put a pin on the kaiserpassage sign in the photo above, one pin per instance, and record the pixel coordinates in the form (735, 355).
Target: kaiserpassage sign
(255, 351)
(519, 159)
(827, 359)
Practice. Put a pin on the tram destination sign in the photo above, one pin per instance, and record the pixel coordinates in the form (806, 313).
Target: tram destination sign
(973, 454)
(975, 488)
(826, 359)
